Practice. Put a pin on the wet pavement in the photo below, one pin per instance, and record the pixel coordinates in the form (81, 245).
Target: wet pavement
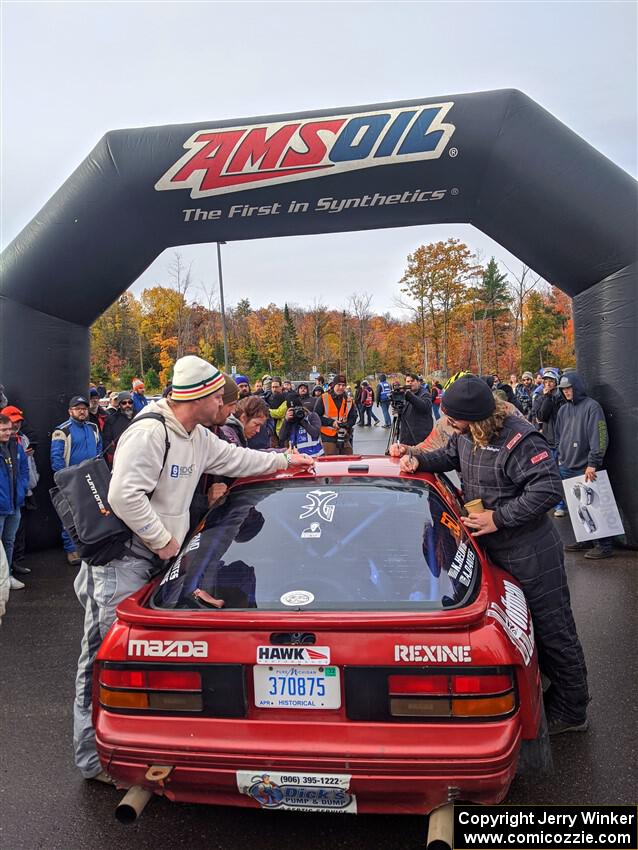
(45, 804)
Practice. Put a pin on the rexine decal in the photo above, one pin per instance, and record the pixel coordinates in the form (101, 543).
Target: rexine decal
(232, 159)
(439, 654)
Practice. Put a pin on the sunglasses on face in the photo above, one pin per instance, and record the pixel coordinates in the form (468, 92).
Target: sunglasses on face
(126, 404)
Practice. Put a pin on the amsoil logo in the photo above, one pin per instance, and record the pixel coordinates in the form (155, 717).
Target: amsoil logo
(236, 158)
(168, 648)
(293, 655)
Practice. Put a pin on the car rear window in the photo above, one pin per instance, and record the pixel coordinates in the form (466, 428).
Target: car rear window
(329, 544)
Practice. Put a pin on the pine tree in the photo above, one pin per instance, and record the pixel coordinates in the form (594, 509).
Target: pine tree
(495, 299)
(151, 380)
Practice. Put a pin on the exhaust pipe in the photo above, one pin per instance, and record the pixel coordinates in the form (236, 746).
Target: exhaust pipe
(132, 804)
(441, 828)
(134, 801)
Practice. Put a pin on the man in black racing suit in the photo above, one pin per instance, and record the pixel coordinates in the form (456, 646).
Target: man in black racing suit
(507, 464)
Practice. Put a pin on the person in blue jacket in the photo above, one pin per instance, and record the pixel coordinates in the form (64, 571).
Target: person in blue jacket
(14, 483)
(384, 391)
(73, 441)
(139, 399)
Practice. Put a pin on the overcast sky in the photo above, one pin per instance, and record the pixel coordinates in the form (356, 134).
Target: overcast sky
(73, 71)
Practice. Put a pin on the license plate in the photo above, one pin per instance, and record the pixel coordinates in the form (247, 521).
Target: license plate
(277, 686)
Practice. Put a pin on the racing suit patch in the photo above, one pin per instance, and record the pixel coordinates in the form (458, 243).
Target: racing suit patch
(537, 458)
(514, 440)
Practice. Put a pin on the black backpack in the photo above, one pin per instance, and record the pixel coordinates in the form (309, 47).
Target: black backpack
(80, 500)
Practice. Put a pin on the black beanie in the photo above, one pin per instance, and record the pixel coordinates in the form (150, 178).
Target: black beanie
(469, 399)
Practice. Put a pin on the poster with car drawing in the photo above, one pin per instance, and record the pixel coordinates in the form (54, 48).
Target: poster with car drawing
(592, 507)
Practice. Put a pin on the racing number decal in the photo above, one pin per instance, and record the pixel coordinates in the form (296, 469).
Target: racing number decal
(451, 523)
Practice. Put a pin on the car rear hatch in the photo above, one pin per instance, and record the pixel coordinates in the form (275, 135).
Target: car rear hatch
(346, 641)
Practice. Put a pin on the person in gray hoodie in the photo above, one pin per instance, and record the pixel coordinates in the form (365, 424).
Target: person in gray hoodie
(581, 442)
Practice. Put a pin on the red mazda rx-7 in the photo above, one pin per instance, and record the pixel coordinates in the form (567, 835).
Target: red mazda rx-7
(326, 641)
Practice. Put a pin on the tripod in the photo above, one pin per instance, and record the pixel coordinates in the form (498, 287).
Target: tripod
(395, 427)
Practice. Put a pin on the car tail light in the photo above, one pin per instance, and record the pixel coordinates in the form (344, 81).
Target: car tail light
(467, 695)
(481, 684)
(418, 685)
(484, 706)
(165, 680)
(123, 699)
(150, 690)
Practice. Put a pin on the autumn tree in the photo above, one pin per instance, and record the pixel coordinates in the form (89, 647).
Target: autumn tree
(209, 331)
(291, 350)
(319, 322)
(361, 313)
(270, 338)
(521, 285)
(115, 340)
(541, 330)
(241, 340)
(435, 284)
(181, 280)
(160, 308)
(563, 350)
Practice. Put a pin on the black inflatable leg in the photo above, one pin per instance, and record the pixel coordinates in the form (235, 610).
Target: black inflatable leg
(44, 361)
(606, 325)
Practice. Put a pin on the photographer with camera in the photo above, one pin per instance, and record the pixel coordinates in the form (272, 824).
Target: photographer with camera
(412, 407)
(338, 416)
(301, 428)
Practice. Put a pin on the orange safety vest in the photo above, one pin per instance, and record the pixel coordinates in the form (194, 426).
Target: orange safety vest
(330, 411)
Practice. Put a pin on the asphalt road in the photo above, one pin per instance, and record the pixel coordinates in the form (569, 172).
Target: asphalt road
(44, 803)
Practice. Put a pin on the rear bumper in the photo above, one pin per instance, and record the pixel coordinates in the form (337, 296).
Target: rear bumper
(400, 769)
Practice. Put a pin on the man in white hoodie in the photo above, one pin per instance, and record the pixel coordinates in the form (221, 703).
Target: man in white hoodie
(156, 468)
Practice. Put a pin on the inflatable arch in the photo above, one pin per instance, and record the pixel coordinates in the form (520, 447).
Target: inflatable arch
(494, 159)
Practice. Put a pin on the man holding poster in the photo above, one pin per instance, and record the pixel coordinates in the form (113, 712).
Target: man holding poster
(581, 442)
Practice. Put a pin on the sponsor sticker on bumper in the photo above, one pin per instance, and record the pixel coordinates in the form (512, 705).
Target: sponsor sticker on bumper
(300, 792)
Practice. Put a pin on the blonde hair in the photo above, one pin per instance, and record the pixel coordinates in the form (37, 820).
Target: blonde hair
(483, 431)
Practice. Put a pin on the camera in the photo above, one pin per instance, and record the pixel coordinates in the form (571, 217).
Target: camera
(397, 397)
(342, 433)
(299, 413)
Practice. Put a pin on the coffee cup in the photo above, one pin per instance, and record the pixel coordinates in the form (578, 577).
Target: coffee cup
(475, 506)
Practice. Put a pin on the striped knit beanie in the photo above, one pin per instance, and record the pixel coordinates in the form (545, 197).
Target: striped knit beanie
(194, 378)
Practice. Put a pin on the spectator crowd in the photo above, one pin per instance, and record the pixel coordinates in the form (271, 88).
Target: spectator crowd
(274, 414)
